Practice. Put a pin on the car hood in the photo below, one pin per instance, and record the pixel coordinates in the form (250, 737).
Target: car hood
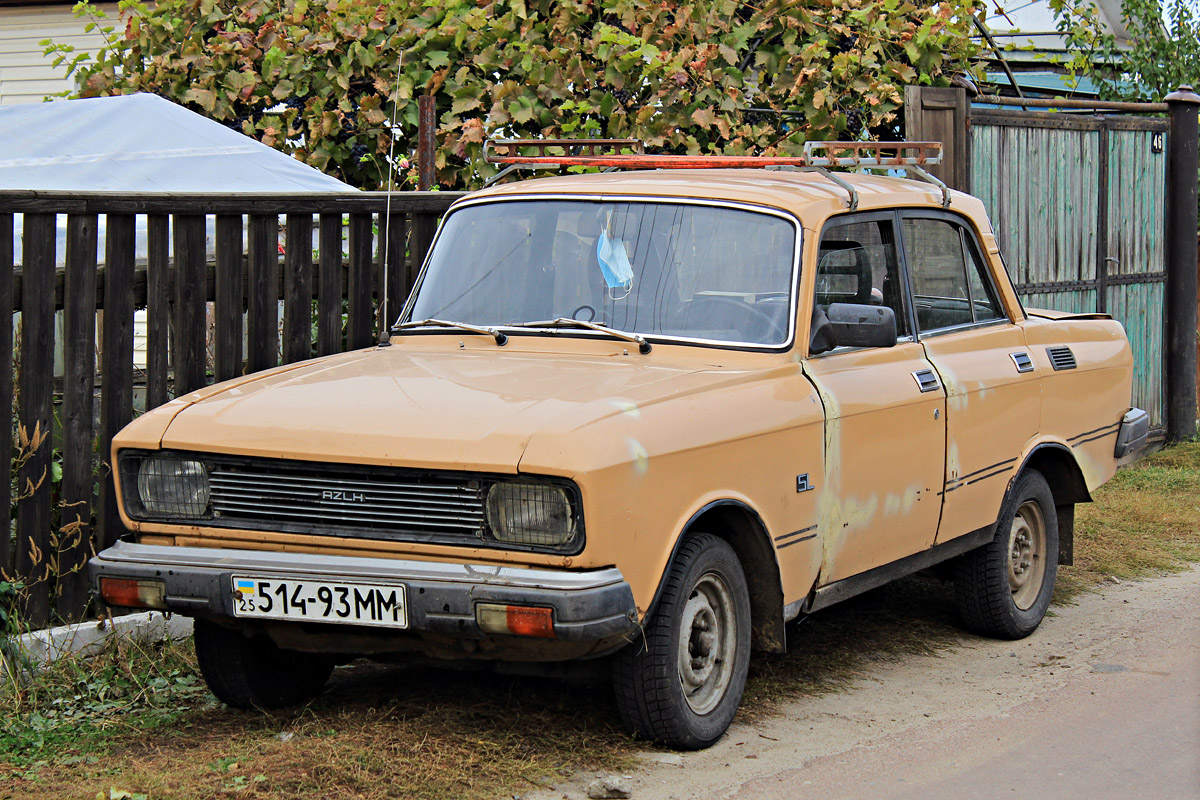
(470, 409)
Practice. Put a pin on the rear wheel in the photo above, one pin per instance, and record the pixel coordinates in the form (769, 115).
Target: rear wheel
(1003, 588)
(681, 683)
(253, 672)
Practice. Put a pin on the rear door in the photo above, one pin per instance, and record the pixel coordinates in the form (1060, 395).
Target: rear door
(992, 405)
(880, 495)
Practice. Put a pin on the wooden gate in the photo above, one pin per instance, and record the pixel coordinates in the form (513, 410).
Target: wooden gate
(1078, 203)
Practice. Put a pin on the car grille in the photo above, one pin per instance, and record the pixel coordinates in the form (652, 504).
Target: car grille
(334, 498)
(348, 501)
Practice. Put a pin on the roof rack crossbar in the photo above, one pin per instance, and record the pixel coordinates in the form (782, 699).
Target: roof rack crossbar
(872, 154)
(511, 168)
(920, 174)
(936, 181)
(851, 203)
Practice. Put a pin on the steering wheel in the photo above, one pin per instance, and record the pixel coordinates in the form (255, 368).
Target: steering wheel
(768, 327)
(585, 307)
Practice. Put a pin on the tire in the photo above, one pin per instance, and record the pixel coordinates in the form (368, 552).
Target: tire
(253, 672)
(681, 682)
(1003, 588)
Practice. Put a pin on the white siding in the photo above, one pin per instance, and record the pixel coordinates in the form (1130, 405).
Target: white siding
(27, 75)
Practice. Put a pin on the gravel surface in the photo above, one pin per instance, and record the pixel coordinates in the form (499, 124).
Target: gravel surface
(1103, 701)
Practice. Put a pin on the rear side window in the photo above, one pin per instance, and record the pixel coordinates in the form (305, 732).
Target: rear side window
(948, 283)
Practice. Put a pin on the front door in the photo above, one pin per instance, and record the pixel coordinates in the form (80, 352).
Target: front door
(991, 383)
(885, 407)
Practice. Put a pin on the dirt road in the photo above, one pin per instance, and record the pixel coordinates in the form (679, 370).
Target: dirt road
(1102, 702)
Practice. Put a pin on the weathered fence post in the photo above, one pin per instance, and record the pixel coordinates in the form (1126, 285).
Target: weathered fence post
(359, 318)
(190, 324)
(1181, 263)
(79, 394)
(6, 369)
(34, 554)
(329, 289)
(941, 114)
(158, 307)
(297, 289)
(424, 224)
(116, 369)
(228, 290)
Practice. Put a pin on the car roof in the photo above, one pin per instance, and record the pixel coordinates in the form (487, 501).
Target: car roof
(810, 196)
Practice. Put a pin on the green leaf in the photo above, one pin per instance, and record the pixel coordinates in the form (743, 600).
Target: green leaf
(205, 98)
(464, 104)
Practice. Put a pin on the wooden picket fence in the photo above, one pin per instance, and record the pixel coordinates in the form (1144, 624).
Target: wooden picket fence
(58, 524)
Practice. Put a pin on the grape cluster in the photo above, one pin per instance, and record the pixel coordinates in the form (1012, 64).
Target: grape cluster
(294, 102)
(845, 43)
(358, 152)
(755, 117)
(854, 123)
(349, 127)
(622, 96)
(252, 115)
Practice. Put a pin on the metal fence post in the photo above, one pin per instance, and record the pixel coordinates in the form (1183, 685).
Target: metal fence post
(1181, 263)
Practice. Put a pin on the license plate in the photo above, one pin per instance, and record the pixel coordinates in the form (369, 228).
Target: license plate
(320, 601)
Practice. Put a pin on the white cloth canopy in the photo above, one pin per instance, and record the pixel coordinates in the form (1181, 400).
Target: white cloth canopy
(140, 143)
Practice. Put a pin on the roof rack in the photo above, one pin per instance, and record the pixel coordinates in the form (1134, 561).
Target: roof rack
(818, 156)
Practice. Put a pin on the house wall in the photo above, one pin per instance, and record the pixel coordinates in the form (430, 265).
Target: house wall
(27, 75)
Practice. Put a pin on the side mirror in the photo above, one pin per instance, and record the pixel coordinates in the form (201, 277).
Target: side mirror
(855, 325)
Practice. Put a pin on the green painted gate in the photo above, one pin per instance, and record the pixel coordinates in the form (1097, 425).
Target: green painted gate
(1078, 205)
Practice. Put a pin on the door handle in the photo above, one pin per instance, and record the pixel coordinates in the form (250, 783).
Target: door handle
(927, 380)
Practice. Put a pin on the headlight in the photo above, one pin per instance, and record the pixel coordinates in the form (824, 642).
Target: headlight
(173, 487)
(530, 513)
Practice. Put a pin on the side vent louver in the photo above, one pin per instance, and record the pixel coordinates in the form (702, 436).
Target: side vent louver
(926, 379)
(1023, 361)
(1061, 357)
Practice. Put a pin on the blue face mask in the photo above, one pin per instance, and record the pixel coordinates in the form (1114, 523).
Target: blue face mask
(614, 262)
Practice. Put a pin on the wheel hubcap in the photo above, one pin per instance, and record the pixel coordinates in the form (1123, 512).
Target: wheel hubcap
(707, 643)
(1027, 555)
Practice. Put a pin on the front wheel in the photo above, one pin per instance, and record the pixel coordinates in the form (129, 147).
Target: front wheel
(1003, 588)
(253, 672)
(680, 684)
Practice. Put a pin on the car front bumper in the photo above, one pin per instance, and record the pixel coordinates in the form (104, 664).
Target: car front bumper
(588, 605)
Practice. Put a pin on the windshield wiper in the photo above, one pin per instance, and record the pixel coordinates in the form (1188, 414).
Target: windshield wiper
(500, 337)
(563, 322)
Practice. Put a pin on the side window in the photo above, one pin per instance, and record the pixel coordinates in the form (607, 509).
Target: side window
(858, 263)
(948, 284)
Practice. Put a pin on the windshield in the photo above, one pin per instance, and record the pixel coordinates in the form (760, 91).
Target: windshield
(659, 269)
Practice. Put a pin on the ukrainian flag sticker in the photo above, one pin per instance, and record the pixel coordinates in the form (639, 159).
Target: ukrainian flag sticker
(243, 586)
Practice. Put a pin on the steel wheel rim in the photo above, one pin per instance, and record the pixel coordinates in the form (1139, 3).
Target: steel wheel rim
(1027, 555)
(707, 643)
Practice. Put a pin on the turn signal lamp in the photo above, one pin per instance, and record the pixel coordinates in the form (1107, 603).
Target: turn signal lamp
(515, 620)
(132, 593)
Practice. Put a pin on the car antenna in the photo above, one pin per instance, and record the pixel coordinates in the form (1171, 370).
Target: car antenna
(385, 326)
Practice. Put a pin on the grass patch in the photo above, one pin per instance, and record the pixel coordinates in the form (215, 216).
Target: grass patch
(1145, 521)
(137, 720)
(379, 731)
